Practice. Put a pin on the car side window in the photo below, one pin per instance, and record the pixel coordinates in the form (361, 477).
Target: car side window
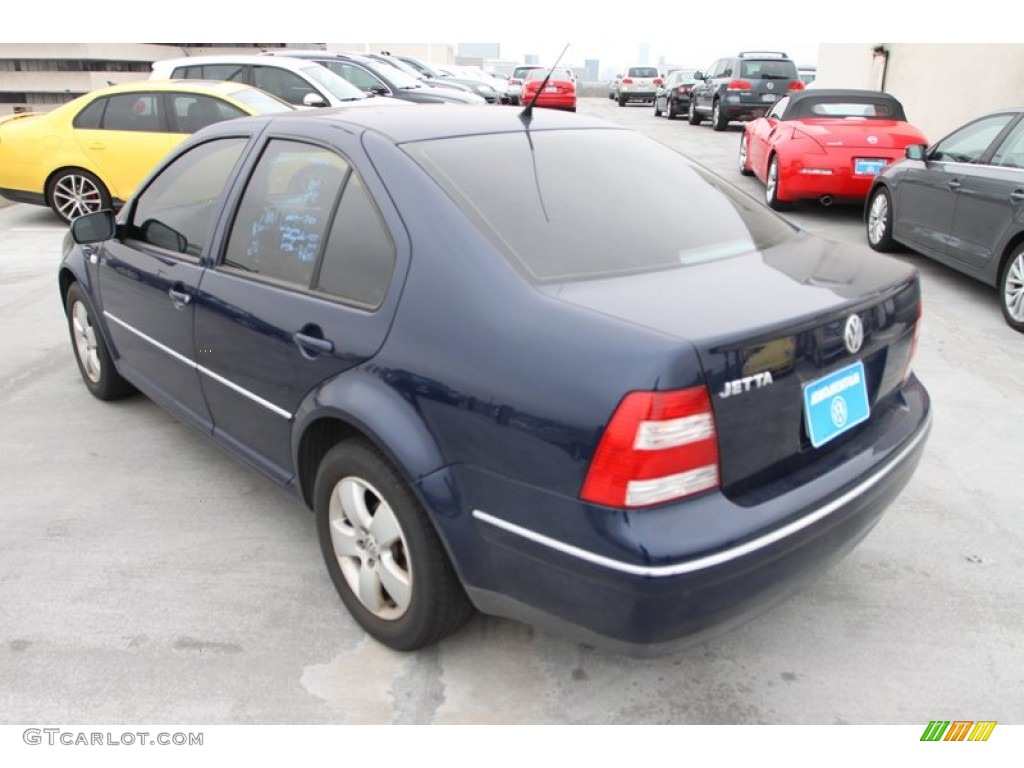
(133, 112)
(360, 78)
(279, 230)
(91, 118)
(1011, 151)
(968, 144)
(176, 211)
(359, 256)
(780, 108)
(282, 83)
(190, 112)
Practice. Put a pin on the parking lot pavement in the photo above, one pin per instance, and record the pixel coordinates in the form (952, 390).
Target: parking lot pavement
(147, 576)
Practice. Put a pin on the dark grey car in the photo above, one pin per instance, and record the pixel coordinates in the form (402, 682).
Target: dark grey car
(742, 87)
(961, 202)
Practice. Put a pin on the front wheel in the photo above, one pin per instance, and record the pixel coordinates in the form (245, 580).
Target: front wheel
(879, 221)
(622, 101)
(383, 555)
(657, 110)
(1011, 290)
(94, 361)
(74, 192)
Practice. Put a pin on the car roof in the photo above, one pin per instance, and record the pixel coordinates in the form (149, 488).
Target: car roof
(285, 62)
(434, 121)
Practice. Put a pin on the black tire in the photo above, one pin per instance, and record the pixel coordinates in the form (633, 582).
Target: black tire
(657, 112)
(693, 116)
(670, 109)
(1011, 289)
(878, 221)
(771, 188)
(622, 101)
(374, 534)
(74, 192)
(744, 159)
(94, 362)
(719, 119)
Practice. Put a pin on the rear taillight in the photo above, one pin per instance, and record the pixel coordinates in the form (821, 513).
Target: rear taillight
(657, 447)
(796, 85)
(913, 343)
(627, 80)
(658, 81)
(683, 89)
(738, 85)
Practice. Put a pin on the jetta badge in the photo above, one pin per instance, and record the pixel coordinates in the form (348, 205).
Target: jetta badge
(853, 334)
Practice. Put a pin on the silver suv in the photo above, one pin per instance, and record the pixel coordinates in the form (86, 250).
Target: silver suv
(639, 84)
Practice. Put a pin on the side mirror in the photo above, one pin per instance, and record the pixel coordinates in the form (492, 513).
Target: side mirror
(379, 90)
(916, 152)
(698, 75)
(314, 100)
(159, 234)
(93, 227)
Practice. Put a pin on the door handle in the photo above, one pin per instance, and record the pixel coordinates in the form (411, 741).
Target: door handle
(312, 346)
(954, 184)
(1017, 195)
(178, 297)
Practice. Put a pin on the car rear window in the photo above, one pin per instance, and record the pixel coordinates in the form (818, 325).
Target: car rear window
(769, 69)
(643, 72)
(583, 204)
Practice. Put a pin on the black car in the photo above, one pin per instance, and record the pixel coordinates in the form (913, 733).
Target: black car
(961, 202)
(742, 87)
(545, 409)
(673, 96)
(381, 78)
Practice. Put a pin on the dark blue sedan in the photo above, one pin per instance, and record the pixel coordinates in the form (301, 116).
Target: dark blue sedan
(458, 340)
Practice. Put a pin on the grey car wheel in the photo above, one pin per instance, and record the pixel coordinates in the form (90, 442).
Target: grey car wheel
(670, 109)
(94, 361)
(384, 556)
(74, 192)
(879, 221)
(1011, 289)
(657, 111)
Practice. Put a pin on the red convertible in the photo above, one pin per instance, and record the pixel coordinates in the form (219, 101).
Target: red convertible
(825, 145)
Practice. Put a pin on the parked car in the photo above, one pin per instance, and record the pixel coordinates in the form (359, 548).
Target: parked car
(495, 91)
(613, 88)
(961, 202)
(515, 82)
(825, 145)
(299, 82)
(807, 73)
(549, 411)
(638, 84)
(92, 152)
(742, 87)
(378, 78)
(673, 95)
(491, 90)
(559, 92)
(435, 81)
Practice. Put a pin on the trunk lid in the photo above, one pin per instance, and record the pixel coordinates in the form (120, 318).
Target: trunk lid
(852, 133)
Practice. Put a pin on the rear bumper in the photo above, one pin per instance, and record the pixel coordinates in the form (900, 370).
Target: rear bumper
(842, 183)
(650, 598)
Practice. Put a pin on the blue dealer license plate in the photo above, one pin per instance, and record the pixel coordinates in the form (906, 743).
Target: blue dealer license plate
(836, 404)
(865, 166)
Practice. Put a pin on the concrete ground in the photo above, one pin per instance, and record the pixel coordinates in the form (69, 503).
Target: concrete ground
(147, 576)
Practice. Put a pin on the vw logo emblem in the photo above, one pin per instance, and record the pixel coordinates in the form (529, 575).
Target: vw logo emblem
(769, 86)
(853, 334)
(872, 139)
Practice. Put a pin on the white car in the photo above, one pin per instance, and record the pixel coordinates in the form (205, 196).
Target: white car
(299, 82)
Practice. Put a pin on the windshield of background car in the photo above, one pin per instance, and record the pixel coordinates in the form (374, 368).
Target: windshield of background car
(642, 72)
(556, 74)
(581, 204)
(397, 77)
(260, 102)
(335, 84)
(520, 72)
(768, 69)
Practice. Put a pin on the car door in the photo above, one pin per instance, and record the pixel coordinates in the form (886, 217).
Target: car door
(989, 201)
(295, 299)
(149, 275)
(131, 138)
(929, 190)
(764, 134)
(705, 89)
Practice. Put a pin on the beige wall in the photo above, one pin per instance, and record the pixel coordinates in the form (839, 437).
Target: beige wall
(941, 85)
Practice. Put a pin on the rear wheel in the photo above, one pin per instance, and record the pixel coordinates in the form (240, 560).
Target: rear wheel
(381, 551)
(692, 117)
(1011, 289)
(670, 109)
(771, 189)
(622, 101)
(74, 192)
(657, 110)
(879, 221)
(719, 120)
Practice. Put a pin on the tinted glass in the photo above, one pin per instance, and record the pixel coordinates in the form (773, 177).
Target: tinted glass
(285, 211)
(260, 102)
(969, 143)
(1011, 151)
(354, 75)
(282, 83)
(768, 69)
(565, 211)
(642, 72)
(192, 112)
(176, 211)
(91, 117)
(359, 257)
(133, 112)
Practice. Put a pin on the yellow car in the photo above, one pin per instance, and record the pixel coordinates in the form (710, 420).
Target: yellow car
(92, 153)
